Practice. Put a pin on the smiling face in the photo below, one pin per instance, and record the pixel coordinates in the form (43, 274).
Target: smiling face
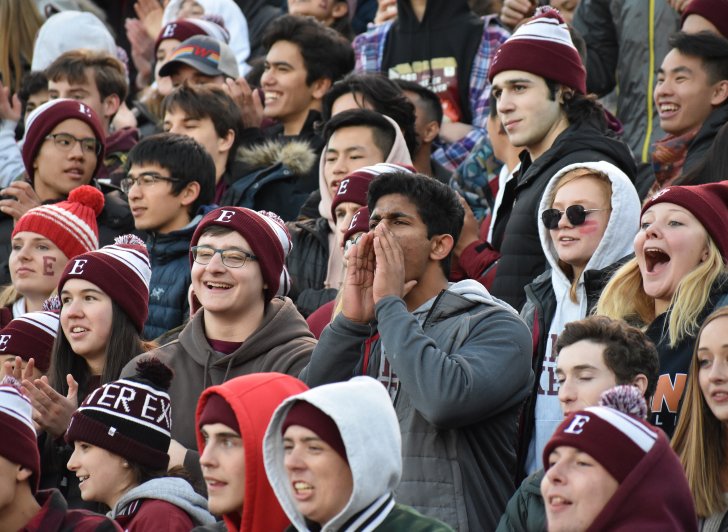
(36, 264)
(86, 320)
(223, 468)
(575, 489)
(713, 367)
(582, 375)
(58, 172)
(684, 95)
(320, 479)
(670, 244)
(575, 245)
(348, 150)
(531, 118)
(103, 476)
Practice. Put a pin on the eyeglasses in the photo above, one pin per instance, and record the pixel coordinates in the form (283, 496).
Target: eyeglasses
(576, 214)
(144, 180)
(66, 142)
(232, 258)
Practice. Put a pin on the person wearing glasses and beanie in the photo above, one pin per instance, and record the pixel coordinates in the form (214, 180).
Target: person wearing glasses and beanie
(589, 215)
(63, 148)
(245, 324)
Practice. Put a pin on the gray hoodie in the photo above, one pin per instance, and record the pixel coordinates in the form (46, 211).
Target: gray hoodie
(372, 486)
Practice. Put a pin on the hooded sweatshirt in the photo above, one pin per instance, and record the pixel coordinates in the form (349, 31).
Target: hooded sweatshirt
(165, 503)
(375, 469)
(616, 243)
(253, 398)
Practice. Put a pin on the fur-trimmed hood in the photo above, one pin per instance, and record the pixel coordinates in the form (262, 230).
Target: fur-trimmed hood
(296, 155)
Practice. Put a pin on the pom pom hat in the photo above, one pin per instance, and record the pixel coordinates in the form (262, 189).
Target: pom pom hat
(46, 117)
(129, 417)
(542, 46)
(70, 224)
(121, 270)
(708, 203)
(18, 443)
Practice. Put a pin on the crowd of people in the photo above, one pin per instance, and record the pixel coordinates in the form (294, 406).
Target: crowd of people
(357, 265)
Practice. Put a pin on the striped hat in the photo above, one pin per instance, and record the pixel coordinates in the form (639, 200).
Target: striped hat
(542, 46)
(206, 55)
(70, 224)
(18, 444)
(31, 336)
(121, 270)
(353, 188)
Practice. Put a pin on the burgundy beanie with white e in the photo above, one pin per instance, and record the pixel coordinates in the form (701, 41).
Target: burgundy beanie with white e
(129, 417)
(19, 443)
(359, 223)
(185, 28)
(715, 11)
(70, 224)
(31, 336)
(46, 117)
(542, 46)
(267, 237)
(708, 203)
(121, 270)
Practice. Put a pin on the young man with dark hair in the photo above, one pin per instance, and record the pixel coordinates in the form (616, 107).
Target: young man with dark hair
(436, 347)
(691, 97)
(170, 183)
(539, 84)
(100, 81)
(594, 354)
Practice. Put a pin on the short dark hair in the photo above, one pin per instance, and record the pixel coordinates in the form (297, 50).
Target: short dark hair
(208, 101)
(185, 159)
(384, 96)
(326, 53)
(109, 72)
(627, 350)
(382, 130)
(711, 48)
(32, 83)
(436, 203)
(433, 105)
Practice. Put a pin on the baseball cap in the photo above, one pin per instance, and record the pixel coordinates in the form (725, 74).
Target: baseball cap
(205, 54)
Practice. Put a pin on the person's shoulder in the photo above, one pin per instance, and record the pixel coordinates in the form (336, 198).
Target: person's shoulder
(404, 517)
(160, 516)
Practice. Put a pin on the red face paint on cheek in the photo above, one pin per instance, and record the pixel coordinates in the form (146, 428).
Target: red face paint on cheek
(588, 227)
(49, 269)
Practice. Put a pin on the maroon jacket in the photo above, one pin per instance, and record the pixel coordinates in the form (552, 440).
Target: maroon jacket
(54, 516)
(155, 515)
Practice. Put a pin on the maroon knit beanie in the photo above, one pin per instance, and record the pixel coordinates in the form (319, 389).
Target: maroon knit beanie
(542, 46)
(70, 224)
(180, 30)
(121, 270)
(265, 243)
(308, 416)
(218, 410)
(129, 417)
(715, 11)
(46, 117)
(708, 203)
(31, 336)
(19, 443)
(359, 223)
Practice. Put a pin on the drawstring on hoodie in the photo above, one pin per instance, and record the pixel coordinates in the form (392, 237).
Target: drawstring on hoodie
(207, 381)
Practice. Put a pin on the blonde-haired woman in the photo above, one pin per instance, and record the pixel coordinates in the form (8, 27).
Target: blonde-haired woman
(19, 24)
(700, 438)
(675, 280)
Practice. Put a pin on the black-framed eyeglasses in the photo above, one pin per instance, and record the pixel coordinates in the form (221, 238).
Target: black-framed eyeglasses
(576, 214)
(232, 258)
(147, 179)
(66, 142)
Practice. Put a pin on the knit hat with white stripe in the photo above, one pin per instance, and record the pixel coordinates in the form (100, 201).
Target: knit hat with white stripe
(129, 417)
(19, 444)
(31, 336)
(542, 46)
(284, 237)
(121, 270)
(70, 224)
(616, 439)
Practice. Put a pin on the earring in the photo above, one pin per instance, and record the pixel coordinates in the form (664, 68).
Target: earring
(125, 464)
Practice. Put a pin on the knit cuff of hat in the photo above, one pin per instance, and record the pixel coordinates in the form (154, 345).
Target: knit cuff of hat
(20, 446)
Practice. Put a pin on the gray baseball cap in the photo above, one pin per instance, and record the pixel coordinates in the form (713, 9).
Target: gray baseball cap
(205, 54)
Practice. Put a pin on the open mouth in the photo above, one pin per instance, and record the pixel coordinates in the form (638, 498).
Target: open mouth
(271, 96)
(78, 329)
(666, 108)
(82, 479)
(558, 502)
(656, 260)
(217, 286)
(302, 487)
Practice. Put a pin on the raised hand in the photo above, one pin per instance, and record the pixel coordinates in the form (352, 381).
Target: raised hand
(247, 99)
(389, 274)
(357, 300)
(150, 12)
(51, 410)
(16, 370)
(10, 107)
(20, 198)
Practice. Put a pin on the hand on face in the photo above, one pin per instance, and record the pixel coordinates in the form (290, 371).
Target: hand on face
(358, 301)
(389, 273)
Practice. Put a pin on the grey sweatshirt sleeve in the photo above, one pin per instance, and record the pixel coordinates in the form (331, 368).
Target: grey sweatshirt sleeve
(11, 160)
(490, 371)
(336, 355)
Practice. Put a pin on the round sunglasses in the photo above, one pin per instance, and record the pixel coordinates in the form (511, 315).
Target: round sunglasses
(576, 214)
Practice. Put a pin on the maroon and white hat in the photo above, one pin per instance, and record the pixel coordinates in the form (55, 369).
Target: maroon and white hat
(70, 224)
(121, 270)
(31, 336)
(129, 417)
(542, 46)
(353, 188)
(184, 28)
(359, 223)
(715, 11)
(19, 443)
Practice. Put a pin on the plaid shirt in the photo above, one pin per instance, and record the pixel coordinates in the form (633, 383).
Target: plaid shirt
(369, 50)
(54, 516)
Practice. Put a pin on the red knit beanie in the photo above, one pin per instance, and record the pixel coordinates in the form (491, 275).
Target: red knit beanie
(542, 46)
(308, 416)
(359, 223)
(121, 270)
(715, 11)
(31, 336)
(708, 203)
(267, 243)
(46, 117)
(70, 224)
(19, 443)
